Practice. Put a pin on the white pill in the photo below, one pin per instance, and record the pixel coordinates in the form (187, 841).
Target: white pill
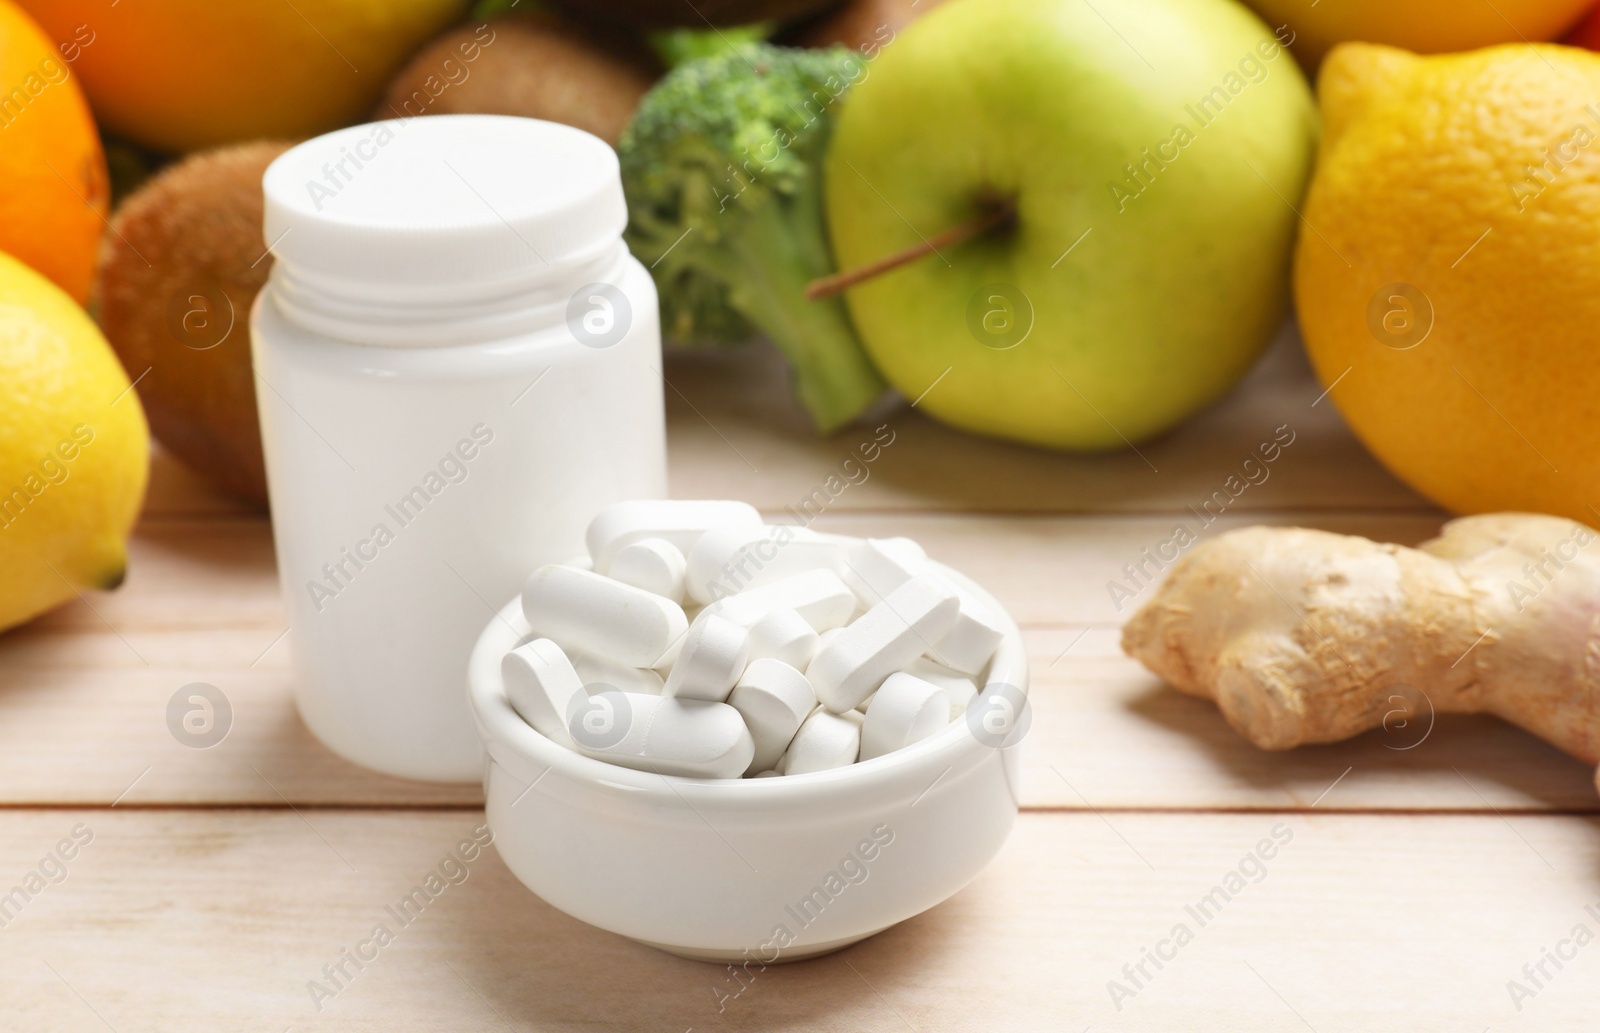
(653, 564)
(670, 657)
(784, 635)
(824, 741)
(774, 699)
(541, 684)
(713, 655)
(877, 566)
(885, 639)
(818, 596)
(956, 685)
(600, 672)
(679, 521)
(825, 638)
(729, 560)
(972, 639)
(686, 737)
(904, 710)
(591, 613)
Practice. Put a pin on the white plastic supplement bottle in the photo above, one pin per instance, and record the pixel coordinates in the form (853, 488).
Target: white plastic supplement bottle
(457, 365)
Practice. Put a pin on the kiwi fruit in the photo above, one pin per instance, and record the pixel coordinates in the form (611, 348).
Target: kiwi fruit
(178, 272)
(663, 14)
(862, 25)
(537, 65)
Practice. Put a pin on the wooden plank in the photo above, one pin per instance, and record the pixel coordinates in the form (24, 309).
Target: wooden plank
(1103, 734)
(114, 743)
(1356, 922)
(728, 413)
(191, 574)
(1107, 734)
(201, 605)
(1045, 569)
(735, 431)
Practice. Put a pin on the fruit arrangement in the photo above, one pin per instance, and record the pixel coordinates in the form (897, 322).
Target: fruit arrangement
(1036, 220)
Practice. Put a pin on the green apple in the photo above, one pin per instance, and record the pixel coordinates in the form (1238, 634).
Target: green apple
(1154, 152)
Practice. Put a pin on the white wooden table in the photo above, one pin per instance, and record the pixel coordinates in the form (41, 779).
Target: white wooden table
(1417, 884)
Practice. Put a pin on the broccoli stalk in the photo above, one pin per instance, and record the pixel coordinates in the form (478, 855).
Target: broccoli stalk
(722, 168)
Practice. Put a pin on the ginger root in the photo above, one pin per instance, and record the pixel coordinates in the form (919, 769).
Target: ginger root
(1304, 636)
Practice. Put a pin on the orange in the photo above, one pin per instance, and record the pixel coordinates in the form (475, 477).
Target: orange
(1448, 279)
(179, 75)
(1424, 26)
(53, 186)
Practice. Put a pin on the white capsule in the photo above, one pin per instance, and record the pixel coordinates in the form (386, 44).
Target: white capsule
(679, 521)
(542, 684)
(600, 672)
(591, 613)
(732, 559)
(824, 741)
(972, 639)
(712, 657)
(653, 564)
(663, 664)
(685, 737)
(818, 596)
(956, 685)
(823, 641)
(784, 635)
(774, 699)
(877, 566)
(904, 710)
(885, 639)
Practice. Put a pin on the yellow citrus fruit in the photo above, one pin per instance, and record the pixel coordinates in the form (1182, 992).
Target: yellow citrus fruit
(53, 188)
(1448, 276)
(1425, 26)
(74, 449)
(178, 75)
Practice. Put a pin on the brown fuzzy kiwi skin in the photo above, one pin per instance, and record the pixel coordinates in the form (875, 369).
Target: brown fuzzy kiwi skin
(862, 25)
(537, 65)
(179, 270)
(662, 14)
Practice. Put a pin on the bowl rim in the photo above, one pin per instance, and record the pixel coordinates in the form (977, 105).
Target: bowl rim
(506, 735)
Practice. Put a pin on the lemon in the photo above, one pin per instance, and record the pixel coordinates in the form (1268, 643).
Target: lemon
(74, 449)
(1426, 26)
(1448, 279)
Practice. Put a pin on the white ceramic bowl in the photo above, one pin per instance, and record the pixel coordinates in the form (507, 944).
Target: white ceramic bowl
(771, 869)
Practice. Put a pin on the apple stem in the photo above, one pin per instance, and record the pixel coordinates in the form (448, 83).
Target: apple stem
(838, 283)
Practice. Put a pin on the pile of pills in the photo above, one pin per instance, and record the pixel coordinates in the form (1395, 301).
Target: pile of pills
(695, 640)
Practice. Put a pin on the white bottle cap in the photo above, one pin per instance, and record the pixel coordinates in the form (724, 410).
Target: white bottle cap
(433, 204)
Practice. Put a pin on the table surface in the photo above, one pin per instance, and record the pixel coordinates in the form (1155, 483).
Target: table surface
(1427, 866)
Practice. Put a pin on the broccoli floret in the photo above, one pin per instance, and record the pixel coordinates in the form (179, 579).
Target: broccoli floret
(681, 45)
(722, 169)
